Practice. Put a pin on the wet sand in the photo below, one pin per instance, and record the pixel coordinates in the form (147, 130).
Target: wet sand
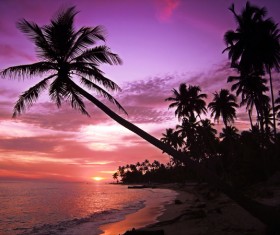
(204, 212)
(197, 210)
(154, 207)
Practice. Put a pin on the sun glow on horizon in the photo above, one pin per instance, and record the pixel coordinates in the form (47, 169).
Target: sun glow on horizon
(97, 178)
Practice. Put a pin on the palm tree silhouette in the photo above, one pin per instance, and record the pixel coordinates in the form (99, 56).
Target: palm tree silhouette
(172, 138)
(229, 134)
(65, 58)
(223, 105)
(187, 132)
(188, 101)
(243, 43)
(252, 89)
(270, 56)
(254, 45)
(277, 107)
(115, 176)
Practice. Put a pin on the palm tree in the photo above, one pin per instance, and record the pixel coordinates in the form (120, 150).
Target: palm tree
(115, 177)
(187, 131)
(229, 134)
(188, 101)
(252, 89)
(172, 138)
(206, 138)
(277, 107)
(242, 44)
(65, 57)
(223, 105)
(270, 52)
(254, 45)
(229, 149)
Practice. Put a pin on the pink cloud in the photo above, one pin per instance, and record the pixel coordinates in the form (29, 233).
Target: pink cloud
(166, 8)
(7, 51)
(144, 101)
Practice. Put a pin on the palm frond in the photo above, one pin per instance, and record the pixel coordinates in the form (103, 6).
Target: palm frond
(29, 97)
(94, 74)
(85, 37)
(99, 55)
(35, 33)
(75, 100)
(89, 84)
(60, 32)
(28, 70)
(57, 91)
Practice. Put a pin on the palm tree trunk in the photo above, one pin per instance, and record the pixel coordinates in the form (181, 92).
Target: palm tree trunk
(250, 118)
(272, 102)
(267, 214)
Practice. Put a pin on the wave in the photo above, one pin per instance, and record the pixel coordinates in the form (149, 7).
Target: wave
(72, 226)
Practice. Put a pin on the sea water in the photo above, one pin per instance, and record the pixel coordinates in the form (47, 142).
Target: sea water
(55, 208)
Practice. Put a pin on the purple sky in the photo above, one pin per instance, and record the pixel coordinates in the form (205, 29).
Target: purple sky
(162, 43)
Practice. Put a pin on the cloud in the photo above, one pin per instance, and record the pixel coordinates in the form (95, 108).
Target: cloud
(60, 141)
(165, 9)
(30, 144)
(7, 51)
(46, 115)
(7, 93)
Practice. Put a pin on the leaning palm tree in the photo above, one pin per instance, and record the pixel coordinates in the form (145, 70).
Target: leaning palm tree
(223, 105)
(66, 58)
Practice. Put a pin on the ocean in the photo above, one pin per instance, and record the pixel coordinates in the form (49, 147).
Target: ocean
(61, 208)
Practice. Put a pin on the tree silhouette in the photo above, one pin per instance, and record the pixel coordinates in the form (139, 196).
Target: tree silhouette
(172, 138)
(254, 46)
(277, 107)
(188, 101)
(115, 176)
(229, 134)
(252, 90)
(66, 56)
(223, 105)
(270, 56)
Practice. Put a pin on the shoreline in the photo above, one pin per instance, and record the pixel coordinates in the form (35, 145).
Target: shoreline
(154, 208)
(194, 209)
(202, 211)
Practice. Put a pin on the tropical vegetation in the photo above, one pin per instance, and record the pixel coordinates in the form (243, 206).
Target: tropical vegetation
(69, 56)
(151, 172)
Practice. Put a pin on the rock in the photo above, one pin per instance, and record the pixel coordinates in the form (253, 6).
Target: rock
(143, 232)
(178, 202)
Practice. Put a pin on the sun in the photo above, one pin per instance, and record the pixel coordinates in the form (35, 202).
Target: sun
(97, 178)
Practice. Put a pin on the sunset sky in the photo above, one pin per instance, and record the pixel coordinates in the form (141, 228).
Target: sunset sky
(162, 44)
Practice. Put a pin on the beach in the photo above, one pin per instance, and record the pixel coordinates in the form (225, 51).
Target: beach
(205, 212)
(191, 208)
(198, 209)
